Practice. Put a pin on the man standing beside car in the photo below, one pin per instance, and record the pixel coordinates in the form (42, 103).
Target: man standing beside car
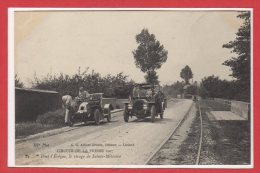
(70, 105)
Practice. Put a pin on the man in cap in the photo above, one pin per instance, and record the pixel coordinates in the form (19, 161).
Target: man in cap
(83, 94)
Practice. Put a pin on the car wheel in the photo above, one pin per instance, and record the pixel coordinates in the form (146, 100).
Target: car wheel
(126, 116)
(109, 116)
(153, 113)
(97, 116)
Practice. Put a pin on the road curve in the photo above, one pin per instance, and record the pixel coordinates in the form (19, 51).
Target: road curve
(114, 143)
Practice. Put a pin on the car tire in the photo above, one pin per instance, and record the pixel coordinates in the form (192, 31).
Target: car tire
(126, 116)
(97, 116)
(109, 116)
(153, 113)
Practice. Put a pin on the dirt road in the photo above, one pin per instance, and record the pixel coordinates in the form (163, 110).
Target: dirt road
(114, 143)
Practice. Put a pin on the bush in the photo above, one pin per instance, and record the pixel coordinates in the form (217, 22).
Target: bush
(117, 106)
(53, 117)
(47, 121)
(111, 85)
(213, 87)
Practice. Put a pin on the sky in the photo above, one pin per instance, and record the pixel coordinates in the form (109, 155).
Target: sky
(62, 41)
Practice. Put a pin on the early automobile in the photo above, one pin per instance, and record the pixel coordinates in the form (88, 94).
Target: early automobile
(92, 109)
(146, 100)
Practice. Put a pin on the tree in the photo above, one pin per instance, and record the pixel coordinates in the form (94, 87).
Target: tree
(151, 77)
(18, 83)
(192, 90)
(149, 55)
(214, 87)
(186, 74)
(174, 89)
(240, 65)
(203, 92)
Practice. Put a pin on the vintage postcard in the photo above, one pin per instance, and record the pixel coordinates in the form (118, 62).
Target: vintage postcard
(130, 88)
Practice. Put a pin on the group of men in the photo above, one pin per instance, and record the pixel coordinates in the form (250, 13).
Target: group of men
(70, 103)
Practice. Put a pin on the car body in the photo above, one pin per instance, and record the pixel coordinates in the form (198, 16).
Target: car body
(146, 100)
(92, 109)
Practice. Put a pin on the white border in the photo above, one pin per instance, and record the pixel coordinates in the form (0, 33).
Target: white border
(11, 95)
(11, 90)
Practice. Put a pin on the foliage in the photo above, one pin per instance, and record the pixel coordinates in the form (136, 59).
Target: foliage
(18, 83)
(151, 77)
(203, 91)
(111, 85)
(52, 117)
(240, 65)
(213, 87)
(47, 121)
(177, 89)
(192, 90)
(149, 55)
(174, 89)
(186, 74)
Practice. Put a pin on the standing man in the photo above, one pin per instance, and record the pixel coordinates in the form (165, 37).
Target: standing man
(69, 104)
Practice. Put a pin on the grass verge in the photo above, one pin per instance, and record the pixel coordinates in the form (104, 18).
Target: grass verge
(46, 121)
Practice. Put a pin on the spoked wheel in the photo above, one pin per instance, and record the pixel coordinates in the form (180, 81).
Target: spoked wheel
(109, 116)
(126, 116)
(153, 113)
(97, 116)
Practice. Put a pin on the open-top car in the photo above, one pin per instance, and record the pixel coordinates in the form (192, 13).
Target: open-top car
(146, 100)
(93, 109)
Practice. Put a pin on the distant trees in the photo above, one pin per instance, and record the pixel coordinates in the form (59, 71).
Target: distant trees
(177, 88)
(186, 74)
(192, 89)
(240, 65)
(174, 89)
(213, 87)
(18, 83)
(111, 85)
(149, 55)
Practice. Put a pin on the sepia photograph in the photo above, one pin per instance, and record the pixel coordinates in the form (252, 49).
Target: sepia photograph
(130, 88)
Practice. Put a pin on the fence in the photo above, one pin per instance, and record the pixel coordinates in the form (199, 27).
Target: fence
(224, 101)
(29, 103)
(241, 108)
